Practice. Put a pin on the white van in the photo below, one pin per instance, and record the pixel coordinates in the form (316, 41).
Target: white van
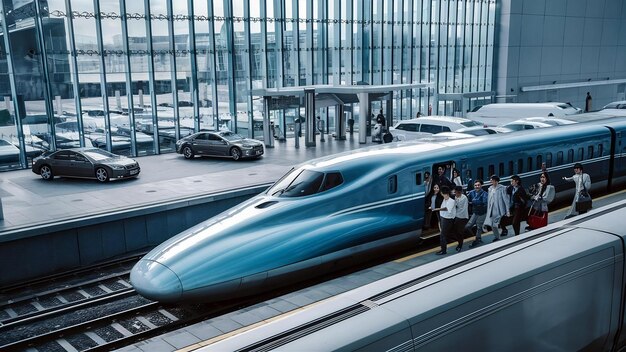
(501, 113)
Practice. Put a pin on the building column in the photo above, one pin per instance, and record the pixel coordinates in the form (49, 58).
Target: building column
(340, 123)
(309, 104)
(364, 115)
(268, 136)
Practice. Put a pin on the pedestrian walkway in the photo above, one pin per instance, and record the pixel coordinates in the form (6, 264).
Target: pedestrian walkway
(28, 201)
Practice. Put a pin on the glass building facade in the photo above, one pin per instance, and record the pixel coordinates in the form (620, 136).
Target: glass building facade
(133, 76)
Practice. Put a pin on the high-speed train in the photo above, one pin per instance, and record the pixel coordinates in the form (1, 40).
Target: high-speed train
(560, 288)
(329, 212)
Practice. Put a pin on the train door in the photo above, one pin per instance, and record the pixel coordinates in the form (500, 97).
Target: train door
(422, 182)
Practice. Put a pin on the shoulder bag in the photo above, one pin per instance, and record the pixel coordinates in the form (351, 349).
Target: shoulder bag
(584, 199)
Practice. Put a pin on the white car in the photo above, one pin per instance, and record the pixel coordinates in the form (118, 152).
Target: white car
(550, 121)
(616, 105)
(426, 126)
(483, 131)
(521, 125)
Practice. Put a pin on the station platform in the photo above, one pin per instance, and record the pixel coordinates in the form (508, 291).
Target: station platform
(207, 332)
(30, 202)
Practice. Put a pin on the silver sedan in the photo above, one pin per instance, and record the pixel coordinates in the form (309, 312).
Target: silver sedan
(221, 144)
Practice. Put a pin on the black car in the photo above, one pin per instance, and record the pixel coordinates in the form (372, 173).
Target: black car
(85, 163)
(223, 143)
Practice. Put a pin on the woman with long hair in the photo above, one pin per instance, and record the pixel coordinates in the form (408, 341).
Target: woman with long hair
(544, 195)
(433, 201)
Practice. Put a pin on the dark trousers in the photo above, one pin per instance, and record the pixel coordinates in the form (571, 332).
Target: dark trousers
(517, 215)
(459, 230)
(447, 231)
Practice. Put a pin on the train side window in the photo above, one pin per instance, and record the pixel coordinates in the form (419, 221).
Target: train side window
(511, 167)
(548, 159)
(501, 169)
(520, 166)
(480, 173)
(590, 152)
(392, 184)
(600, 150)
(570, 156)
(418, 179)
(559, 158)
(332, 180)
(539, 161)
(581, 154)
(530, 163)
(492, 170)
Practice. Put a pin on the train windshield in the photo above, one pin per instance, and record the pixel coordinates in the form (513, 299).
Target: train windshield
(300, 183)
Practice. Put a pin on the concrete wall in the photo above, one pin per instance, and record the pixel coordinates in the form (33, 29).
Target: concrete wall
(545, 42)
(40, 251)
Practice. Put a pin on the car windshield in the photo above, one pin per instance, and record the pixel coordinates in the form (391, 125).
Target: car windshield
(300, 183)
(471, 123)
(97, 154)
(230, 136)
(515, 127)
(477, 132)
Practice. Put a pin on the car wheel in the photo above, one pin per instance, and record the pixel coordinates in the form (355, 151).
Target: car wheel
(46, 173)
(102, 175)
(188, 152)
(235, 153)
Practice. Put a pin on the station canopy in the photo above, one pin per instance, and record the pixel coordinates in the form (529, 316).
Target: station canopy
(331, 95)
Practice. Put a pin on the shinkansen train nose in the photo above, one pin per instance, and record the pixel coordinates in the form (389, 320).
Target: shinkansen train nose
(155, 281)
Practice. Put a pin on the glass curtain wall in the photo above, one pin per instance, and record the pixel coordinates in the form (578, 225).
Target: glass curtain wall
(87, 55)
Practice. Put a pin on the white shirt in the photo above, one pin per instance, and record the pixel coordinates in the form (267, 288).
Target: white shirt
(450, 213)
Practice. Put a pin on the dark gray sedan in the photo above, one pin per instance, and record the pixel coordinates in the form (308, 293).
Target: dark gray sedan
(85, 163)
(224, 144)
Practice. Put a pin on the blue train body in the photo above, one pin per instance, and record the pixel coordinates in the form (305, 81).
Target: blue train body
(349, 205)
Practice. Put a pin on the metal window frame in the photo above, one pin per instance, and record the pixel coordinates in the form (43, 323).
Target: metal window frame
(151, 81)
(172, 47)
(76, 83)
(129, 82)
(103, 81)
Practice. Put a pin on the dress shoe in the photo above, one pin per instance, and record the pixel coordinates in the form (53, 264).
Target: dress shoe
(473, 244)
(495, 239)
(528, 228)
(441, 253)
(504, 233)
(459, 248)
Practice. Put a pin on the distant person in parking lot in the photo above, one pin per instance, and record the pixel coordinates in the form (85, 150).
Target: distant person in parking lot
(380, 119)
(418, 115)
(588, 102)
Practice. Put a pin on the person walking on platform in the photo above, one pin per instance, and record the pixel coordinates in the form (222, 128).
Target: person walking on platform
(543, 196)
(456, 177)
(517, 204)
(497, 206)
(477, 198)
(583, 184)
(447, 213)
(433, 201)
(462, 216)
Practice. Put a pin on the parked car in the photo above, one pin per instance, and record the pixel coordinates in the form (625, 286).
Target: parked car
(499, 113)
(482, 131)
(523, 124)
(223, 144)
(551, 121)
(9, 154)
(425, 126)
(85, 163)
(616, 105)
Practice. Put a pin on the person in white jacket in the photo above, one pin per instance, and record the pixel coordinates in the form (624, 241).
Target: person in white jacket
(583, 183)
